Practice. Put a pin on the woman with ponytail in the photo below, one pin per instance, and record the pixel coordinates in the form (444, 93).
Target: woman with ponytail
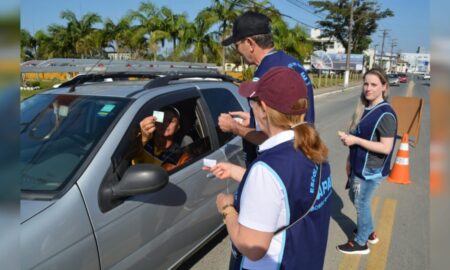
(280, 214)
(371, 140)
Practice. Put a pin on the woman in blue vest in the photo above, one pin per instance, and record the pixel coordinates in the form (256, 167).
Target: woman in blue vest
(289, 177)
(371, 142)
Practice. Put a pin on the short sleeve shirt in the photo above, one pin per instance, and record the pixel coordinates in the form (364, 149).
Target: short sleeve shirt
(386, 128)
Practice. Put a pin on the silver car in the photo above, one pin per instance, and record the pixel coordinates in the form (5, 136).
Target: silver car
(394, 79)
(84, 206)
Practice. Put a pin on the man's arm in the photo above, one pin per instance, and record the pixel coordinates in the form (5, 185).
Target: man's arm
(228, 124)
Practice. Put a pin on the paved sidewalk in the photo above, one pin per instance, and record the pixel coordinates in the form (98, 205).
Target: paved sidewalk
(323, 91)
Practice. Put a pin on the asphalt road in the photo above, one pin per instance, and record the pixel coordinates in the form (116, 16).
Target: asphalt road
(401, 212)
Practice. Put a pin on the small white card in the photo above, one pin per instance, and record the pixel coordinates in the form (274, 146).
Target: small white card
(159, 116)
(238, 119)
(209, 162)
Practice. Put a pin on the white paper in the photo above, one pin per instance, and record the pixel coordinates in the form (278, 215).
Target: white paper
(209, 162)
(159, 116)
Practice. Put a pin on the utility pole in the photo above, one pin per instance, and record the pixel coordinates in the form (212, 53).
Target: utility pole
(375, 53)
(349, 47)
(385, 33)
(391, 59)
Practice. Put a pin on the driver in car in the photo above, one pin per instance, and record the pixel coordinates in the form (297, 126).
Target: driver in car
(159, 141)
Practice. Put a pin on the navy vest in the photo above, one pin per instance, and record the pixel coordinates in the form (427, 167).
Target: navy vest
(366, 129)
(304, 243)
(279, 59)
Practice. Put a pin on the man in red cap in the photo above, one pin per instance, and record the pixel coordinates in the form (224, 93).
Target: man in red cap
(252, 39)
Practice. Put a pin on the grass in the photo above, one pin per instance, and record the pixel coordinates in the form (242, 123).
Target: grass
(333, 80)
(45, 85)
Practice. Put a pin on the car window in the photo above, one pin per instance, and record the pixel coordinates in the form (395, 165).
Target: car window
(57, 133)
(189, 143)
(221, 101)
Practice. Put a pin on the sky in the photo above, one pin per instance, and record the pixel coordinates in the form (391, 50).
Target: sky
(410, 27)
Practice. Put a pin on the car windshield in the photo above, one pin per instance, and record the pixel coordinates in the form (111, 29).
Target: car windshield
(57, 133)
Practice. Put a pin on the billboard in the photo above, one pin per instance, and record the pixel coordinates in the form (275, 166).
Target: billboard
(336, 61)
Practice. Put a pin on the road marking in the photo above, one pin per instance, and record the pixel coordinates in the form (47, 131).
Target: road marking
(351, 262)
(379, 252)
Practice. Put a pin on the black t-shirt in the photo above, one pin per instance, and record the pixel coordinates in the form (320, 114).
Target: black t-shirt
(386, 128)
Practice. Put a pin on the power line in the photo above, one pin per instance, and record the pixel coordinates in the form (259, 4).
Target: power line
(300, 22)
(305, 7)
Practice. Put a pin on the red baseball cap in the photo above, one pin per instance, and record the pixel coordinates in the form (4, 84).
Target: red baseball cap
(280, 88)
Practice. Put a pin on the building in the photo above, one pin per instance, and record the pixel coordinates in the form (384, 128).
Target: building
(327, 44)
(416, 62)
(119, 56)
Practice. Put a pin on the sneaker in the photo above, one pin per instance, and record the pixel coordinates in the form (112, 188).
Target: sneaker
(353, 248)
(373, 239)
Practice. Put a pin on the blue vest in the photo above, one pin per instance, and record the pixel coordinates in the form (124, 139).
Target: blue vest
(279, 59)
(366, 129)
(305, 243)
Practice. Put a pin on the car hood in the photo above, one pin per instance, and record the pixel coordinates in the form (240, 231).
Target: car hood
(30, 208)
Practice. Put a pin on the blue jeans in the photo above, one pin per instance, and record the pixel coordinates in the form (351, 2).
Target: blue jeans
(361, 193)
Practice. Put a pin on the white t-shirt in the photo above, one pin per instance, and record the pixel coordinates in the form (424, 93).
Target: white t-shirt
(264, 206)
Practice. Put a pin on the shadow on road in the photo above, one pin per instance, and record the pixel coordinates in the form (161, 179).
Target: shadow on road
(345, 223)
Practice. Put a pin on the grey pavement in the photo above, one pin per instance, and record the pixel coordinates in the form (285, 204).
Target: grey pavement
(324, 91)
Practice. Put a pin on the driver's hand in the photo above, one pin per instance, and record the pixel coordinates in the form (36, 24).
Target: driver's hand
(148, 126)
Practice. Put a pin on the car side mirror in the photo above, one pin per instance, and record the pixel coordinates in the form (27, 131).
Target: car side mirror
(140, 179)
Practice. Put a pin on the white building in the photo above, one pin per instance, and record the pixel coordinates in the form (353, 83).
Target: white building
(417, 62)
(329, 45)
(119, 56)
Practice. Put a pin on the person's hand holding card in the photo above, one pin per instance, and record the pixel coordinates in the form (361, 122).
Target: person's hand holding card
(147, 126)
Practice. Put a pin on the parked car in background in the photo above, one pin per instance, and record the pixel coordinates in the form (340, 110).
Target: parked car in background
(85, 206)
(403, 78)
(394, 79)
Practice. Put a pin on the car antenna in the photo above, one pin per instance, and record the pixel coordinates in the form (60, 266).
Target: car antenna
(72, 88)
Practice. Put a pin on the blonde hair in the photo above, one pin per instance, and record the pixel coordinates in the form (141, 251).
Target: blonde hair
(306, 137)
(363, 102)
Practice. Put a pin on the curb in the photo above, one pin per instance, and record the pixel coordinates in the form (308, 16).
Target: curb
(337, 91)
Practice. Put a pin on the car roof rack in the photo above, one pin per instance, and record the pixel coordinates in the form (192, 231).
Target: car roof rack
(162, 81)
(103, 77)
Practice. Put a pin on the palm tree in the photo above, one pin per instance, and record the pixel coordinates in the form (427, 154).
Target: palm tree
(79, 29)
(292, 41)
(173, 24)
(224, 12)
(197, 37)
(149, 22)
(59, 42)
(28, 46)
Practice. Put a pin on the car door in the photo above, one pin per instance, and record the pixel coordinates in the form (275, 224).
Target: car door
(153, 231)
(224, 99)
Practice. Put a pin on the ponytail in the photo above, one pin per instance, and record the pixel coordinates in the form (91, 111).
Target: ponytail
(309, 142)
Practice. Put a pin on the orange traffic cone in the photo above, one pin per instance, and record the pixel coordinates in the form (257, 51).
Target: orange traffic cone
(400, 172)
